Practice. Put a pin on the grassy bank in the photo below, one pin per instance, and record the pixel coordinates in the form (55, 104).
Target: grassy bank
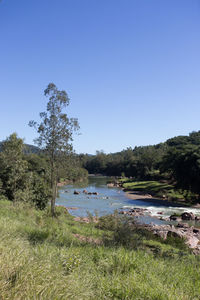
(42, 258)
(158, 189)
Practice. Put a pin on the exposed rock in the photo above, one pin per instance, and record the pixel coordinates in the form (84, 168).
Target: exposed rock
(196, 251)
(135, 212)
(175, 218)
(188, 216)
(188, 233)
(162, 234)
(191, 235)
(76, 193)
(123, 212)
(175, 233)
(183, 225)
(90, 193)
(192, 241)
(95, 193)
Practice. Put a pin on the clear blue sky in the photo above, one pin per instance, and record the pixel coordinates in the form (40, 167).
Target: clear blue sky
(130, 67)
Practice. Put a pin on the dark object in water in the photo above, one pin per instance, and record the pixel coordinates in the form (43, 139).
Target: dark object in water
(76, 193)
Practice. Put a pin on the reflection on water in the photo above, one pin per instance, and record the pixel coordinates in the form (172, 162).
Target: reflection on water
(110, 199)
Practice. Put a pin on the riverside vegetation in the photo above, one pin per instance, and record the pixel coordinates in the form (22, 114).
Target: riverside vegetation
(155, 188)
(46, 254)
(171, 168)
(47, 258)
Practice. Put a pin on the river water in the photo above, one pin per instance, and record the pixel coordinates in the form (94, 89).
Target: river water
(110, 199)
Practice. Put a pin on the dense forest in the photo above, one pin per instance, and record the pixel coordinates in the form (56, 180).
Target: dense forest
(177, 161)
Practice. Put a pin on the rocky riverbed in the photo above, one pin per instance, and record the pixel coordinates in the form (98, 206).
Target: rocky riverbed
(191, 234)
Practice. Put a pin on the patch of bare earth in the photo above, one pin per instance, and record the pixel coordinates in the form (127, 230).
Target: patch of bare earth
(87, 239)
(86, 219)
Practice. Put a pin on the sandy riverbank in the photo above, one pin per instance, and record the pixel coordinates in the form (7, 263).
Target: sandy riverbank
(134, 195)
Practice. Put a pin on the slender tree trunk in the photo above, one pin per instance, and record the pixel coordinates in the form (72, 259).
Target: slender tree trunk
(53, 188)
(53, 199)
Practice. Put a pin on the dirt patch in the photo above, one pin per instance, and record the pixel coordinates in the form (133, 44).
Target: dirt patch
(87, 239)
(86, 219)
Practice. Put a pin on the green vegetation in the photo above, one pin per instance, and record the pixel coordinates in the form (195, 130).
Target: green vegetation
(59, 258)
(155, 188)
(26, 177)
(41, 258)
(23, 177)
(55, 135)
(177, 161)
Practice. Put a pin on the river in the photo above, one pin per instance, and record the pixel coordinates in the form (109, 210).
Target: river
(110, 199)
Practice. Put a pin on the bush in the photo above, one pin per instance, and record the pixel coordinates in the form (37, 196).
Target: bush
(109, 222)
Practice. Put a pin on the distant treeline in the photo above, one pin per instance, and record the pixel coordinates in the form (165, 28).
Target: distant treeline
(27, 149)
(177, 160)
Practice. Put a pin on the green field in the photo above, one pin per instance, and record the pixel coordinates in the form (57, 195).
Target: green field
(40, 258)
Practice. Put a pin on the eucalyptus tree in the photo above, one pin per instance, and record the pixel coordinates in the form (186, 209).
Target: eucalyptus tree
(55, 133)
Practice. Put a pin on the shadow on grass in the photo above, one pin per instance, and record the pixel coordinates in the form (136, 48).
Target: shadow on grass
(58, 238)
(37, 236)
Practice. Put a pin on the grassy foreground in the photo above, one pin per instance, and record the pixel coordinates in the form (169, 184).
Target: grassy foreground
(40, 258)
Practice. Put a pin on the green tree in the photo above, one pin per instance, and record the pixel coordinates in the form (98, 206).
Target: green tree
(183, 164)
(39, 169)
(55, 134)
(13, 168)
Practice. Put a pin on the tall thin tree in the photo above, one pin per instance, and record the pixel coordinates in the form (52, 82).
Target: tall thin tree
(55, 133)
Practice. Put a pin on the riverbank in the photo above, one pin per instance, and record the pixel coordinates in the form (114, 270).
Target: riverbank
(89, 261)
(146, 191)
(142, 196)
(159, 191)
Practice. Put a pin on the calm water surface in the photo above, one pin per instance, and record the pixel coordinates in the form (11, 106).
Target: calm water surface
(110, 199)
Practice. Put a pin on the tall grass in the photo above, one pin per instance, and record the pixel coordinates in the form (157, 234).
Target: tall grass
(40, 258)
